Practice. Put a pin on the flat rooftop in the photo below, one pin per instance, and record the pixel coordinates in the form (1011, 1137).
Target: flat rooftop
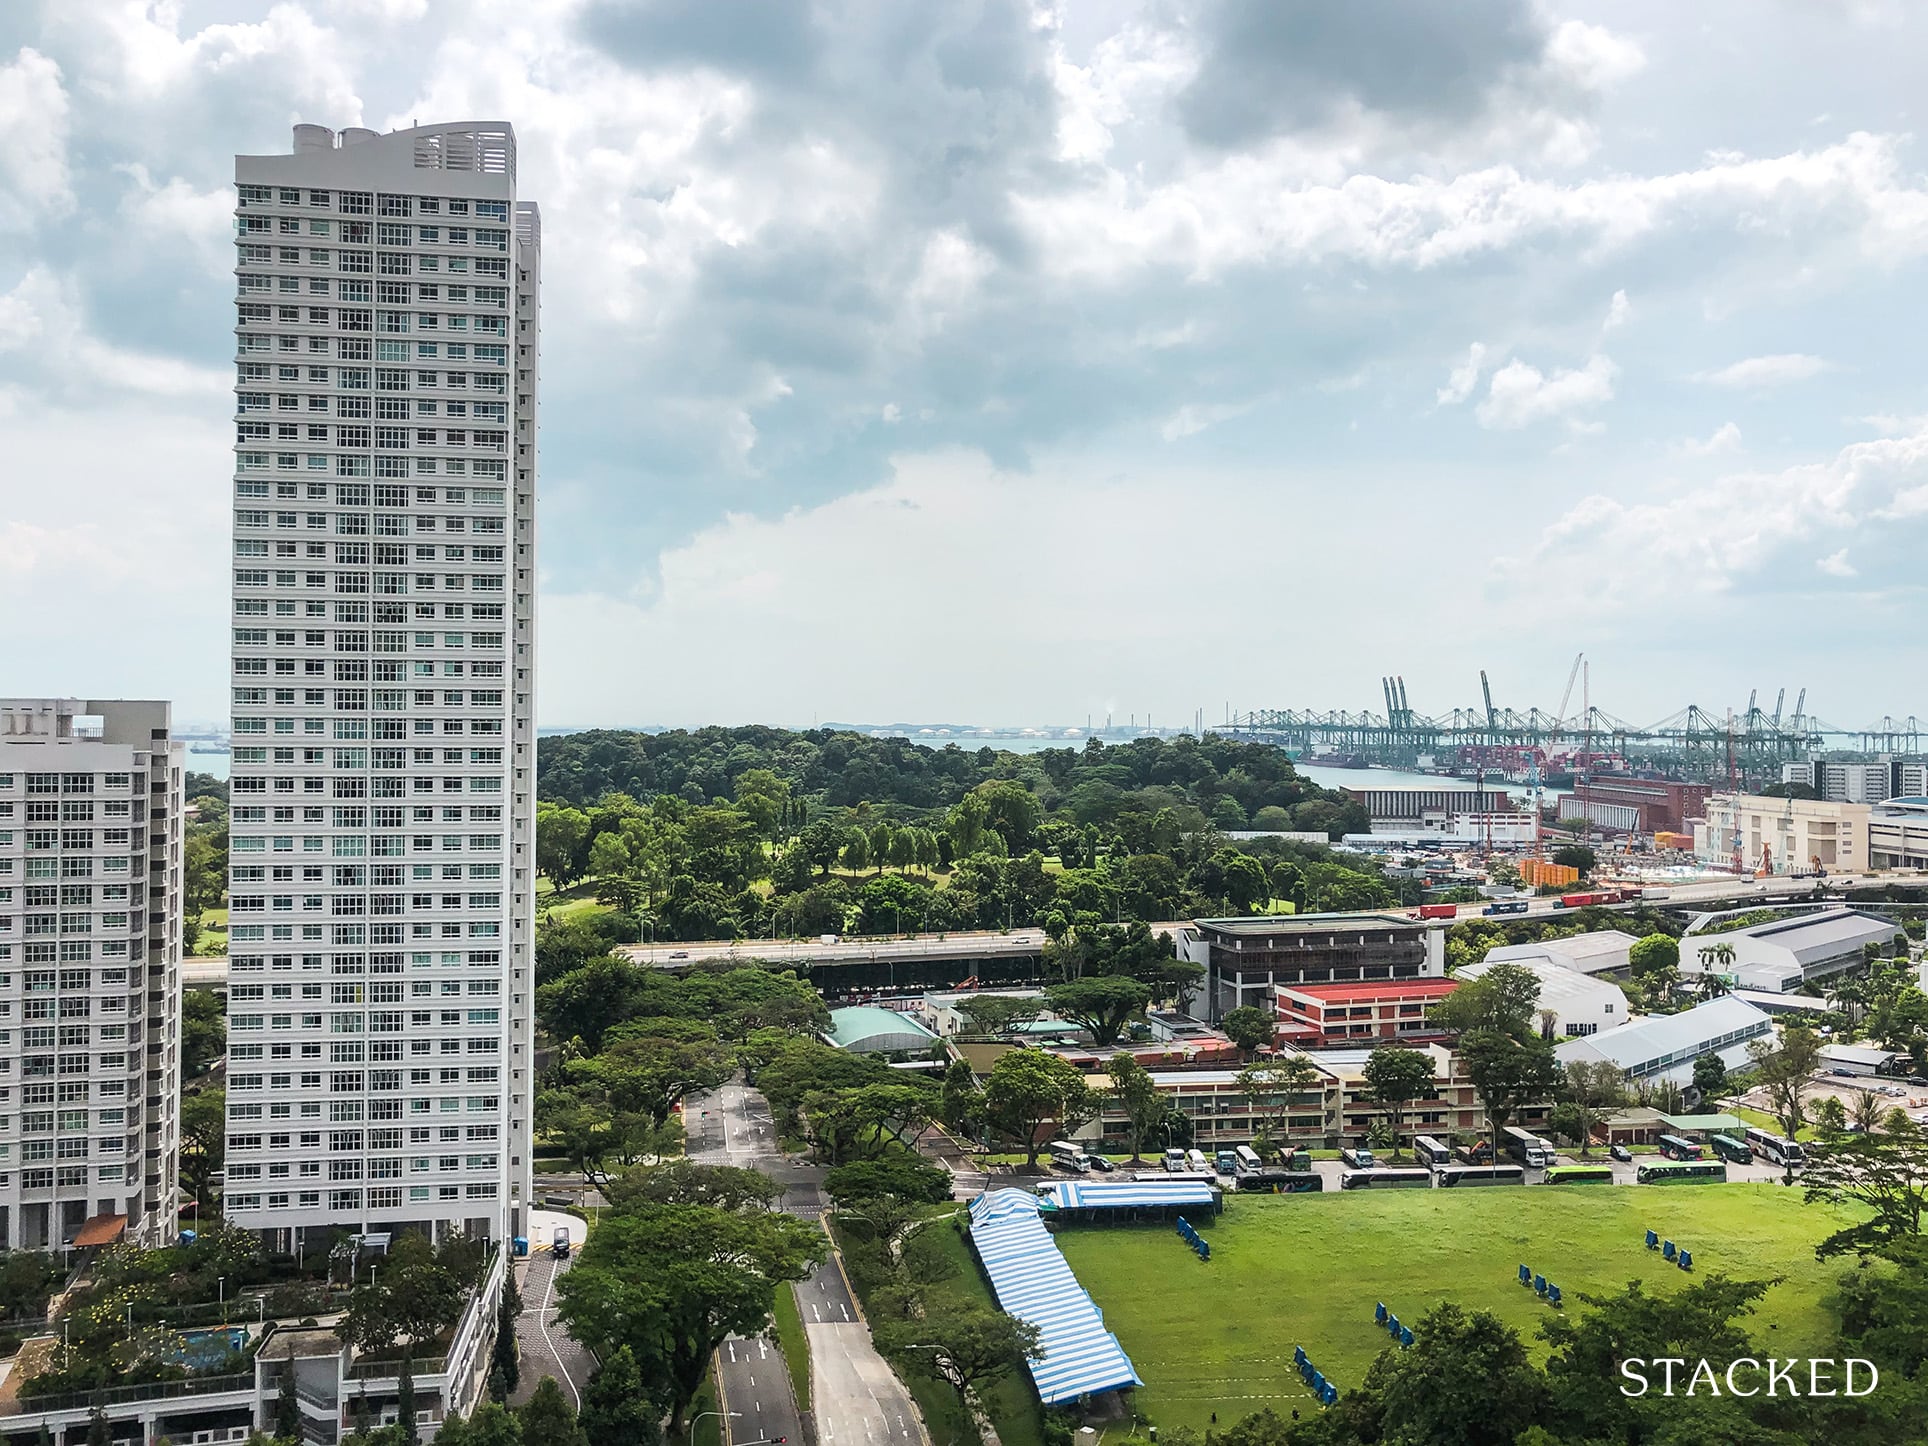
(1308, 924)
(1376, 989)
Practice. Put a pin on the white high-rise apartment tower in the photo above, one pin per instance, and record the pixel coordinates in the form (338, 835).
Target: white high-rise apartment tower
(90, 971)
(381, 964)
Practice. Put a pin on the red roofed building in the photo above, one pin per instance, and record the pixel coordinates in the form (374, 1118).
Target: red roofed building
(1322, 1015)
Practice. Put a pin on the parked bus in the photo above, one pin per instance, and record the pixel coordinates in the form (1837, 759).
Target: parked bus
(1506, 906)
(1688, 1172)
(1432, 1151)
(1247, 1157)
(1580, 1175)
(1069, 1155)
(1726, 1147)
(1526, 1147)
(1271, 1180)
(1225, 1162)
(1386, 1180)
(1776, 1148)
(1481, 1175)
(1676, 1148)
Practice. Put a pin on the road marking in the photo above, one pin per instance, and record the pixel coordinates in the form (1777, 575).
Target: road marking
(543, 1320)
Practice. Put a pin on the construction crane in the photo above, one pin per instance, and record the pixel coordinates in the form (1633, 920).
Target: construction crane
(1492, 715)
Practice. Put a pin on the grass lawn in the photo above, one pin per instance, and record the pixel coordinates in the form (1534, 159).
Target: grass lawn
(1307, 1269)
(790, 1337)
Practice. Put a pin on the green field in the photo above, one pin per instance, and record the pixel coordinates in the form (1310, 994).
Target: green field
(1307, 1269)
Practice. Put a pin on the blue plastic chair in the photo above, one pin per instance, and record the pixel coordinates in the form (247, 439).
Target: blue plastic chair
(1379, 1313)
(1539, 1285)
(1526, 1276)
(1553, 1294)
(1405, 1335)
(1653, 1241)
(1686, 1260)
(1329, 1394)
(1667, 1251)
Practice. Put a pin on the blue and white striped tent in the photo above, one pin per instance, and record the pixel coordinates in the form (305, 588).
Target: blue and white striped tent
(1032, 1282)
(1105, 1194)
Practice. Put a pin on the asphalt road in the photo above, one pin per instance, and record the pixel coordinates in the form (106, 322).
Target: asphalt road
(855, 1398)
(756, 1393)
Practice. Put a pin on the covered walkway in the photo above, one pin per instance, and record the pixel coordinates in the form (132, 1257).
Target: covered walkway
(1032, 1282)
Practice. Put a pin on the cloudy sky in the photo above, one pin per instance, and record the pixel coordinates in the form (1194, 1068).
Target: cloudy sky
(1002, 361)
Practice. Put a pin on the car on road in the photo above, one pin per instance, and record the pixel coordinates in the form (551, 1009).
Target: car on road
(559, 1243)
(1102, 1165)
(1620, 1153)
(679, 954)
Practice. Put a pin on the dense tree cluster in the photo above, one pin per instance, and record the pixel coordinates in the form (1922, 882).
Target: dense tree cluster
(730, 833)
(634, 1042)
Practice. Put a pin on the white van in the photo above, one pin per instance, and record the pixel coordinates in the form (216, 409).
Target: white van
(1197, 1163)
(1175, 1161)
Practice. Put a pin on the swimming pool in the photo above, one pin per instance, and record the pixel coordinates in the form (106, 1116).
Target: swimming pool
(204, 1348)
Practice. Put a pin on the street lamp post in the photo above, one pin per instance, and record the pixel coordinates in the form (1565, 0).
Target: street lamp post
(695, 1420)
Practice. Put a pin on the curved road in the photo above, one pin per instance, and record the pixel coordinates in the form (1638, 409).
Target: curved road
(856, 1399)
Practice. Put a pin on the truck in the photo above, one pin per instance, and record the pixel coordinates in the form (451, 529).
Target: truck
(1175, 1161)
(1436, 911)
(1359, 1159)
(1226, 1162)
(1477, 1153)
(1068, 1155)
(1506, 906)
(1527, 1148)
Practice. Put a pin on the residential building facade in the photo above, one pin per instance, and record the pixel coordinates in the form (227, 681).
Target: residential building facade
(90, 970)
(382, 859)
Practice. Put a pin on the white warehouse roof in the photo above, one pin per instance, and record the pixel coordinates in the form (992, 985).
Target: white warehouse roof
(1597, 952)
(1660, 1045)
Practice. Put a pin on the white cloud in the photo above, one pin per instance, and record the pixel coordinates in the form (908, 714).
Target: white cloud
(42, 307)
(1836, 564)
(1254, 207)
(1767, 371)
(1618, 310)
(1195, 417)
(1463, 380)
(34, 180)
(1521, 394)
(1735, 530)
(1725, 438)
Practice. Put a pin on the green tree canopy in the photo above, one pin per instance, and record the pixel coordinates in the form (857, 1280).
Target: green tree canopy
(1028, 1089)
(669, 1282)
(1100, 1003)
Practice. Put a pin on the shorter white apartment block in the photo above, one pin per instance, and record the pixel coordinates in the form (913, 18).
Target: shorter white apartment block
(91, 797)
(1783, 835)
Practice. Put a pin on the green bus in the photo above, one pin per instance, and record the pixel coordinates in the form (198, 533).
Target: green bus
(1580, 1175)
(1686, 1172)
(1726, 1147)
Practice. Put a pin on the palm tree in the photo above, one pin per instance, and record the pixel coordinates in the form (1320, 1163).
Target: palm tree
(1866, 1111)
